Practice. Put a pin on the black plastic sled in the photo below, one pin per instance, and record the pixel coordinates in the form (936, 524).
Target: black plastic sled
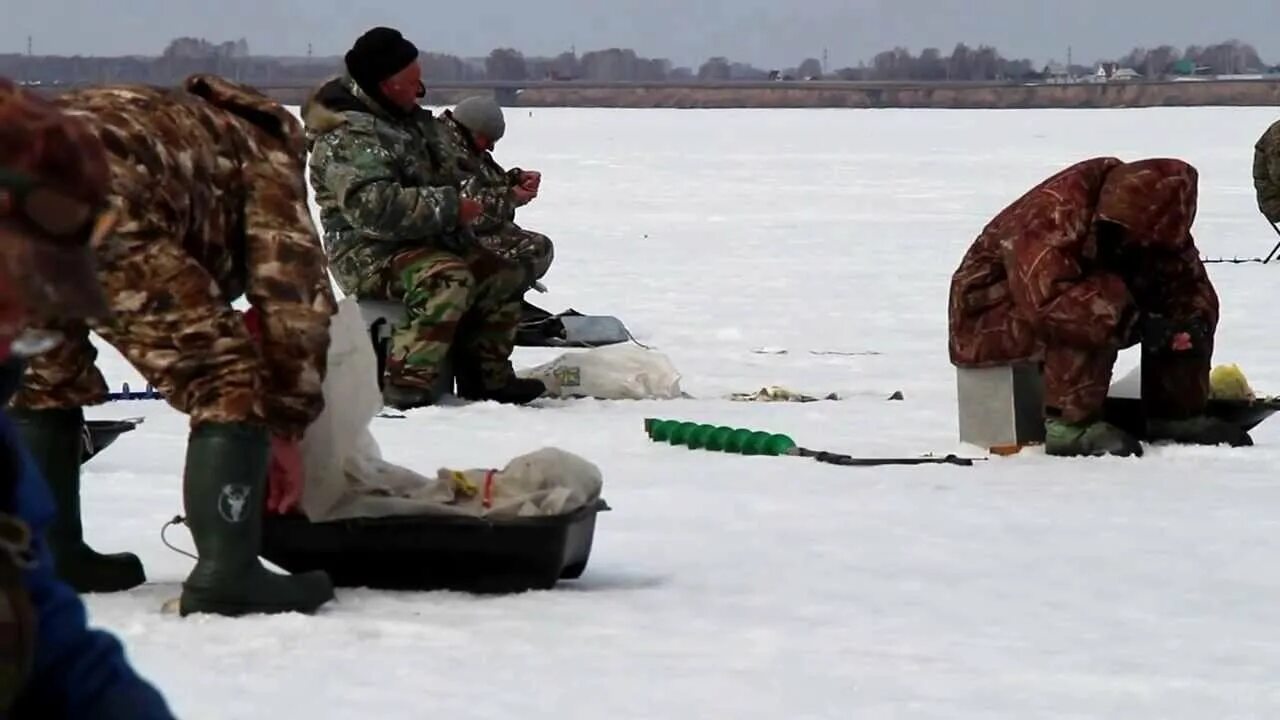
(1127, 413)
(438, 552)
(457, 553)
(99, 434)
(539, 328)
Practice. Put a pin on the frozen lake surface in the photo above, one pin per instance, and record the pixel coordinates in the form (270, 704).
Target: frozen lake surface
(732, 587)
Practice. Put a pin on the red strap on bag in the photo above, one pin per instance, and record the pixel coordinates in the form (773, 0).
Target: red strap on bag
(486, 500)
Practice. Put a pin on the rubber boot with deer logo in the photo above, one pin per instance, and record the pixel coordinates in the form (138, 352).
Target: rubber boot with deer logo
(224, 493)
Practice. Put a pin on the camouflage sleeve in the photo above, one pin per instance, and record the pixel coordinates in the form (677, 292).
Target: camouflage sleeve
(288, 282)
(1185, 286)
(1069, 306)
(361, 174)
(499, 205)
(1266, 175)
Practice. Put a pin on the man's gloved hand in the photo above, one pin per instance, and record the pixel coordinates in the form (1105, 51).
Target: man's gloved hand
(1162, 335)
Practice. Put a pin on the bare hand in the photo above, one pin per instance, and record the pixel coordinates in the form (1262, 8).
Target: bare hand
(1181, 342)
(523, 196)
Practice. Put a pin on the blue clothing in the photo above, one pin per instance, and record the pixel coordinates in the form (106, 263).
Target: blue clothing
(77, 672)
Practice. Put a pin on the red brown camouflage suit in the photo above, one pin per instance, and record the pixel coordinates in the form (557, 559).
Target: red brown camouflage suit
(209, 183)
(1032, 287)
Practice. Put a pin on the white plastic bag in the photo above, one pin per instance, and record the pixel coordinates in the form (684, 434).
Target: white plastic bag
(549, 481)
(617, 372)
(352, 399)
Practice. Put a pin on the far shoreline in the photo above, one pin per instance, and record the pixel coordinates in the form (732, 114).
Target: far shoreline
(1259, 92)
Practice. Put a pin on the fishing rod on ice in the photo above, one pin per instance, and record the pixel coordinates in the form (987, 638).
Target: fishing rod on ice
(1241, 261)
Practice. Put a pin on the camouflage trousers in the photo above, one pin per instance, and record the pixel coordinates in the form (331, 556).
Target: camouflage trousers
(1076, 383)
(462, 306)
(533, 251)
(172, 323)
(1076, 380)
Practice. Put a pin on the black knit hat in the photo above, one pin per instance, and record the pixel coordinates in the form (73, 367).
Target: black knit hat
(377, 55)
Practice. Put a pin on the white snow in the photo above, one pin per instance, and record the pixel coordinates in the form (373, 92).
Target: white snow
(731, 587)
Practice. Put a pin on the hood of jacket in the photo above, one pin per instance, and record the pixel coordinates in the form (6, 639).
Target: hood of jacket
(1153, 200)
(330, 106)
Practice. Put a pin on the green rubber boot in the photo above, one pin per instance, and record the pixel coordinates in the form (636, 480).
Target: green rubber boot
(223, 491)
(1199, 430)
(1088, 439)
(55, 439)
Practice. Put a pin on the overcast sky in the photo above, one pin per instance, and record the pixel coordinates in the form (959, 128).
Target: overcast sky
(768, 33)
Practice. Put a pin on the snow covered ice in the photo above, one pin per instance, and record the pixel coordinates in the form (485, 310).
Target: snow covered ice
(732, 587)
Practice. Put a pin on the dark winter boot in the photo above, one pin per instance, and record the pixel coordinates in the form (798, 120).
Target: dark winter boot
(471, 385)
(1199, 430)
(1091, 439)
(516, 391)
(406, 397)
(55, 439)
(223, 491)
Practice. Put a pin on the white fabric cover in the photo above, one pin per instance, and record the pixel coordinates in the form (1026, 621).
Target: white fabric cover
(346, 476)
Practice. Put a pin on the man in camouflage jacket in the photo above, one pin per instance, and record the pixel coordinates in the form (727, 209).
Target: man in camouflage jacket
(53, 181)
(1081, 266)
(471, 130)
(207, 182)
(1266, 173)
(396, 226)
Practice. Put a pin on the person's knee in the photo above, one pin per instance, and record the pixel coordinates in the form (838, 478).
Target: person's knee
(543, 255)
(450, 282)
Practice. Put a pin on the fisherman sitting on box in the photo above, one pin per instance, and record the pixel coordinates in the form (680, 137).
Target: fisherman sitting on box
(1097, 258)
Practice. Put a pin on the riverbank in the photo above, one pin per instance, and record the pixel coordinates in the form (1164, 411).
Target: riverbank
(1221, 93)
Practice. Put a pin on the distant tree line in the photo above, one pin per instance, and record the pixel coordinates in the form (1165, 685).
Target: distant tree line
(1228, 58)
(187, 55)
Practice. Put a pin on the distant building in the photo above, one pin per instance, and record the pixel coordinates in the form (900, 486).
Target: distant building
(1187, 66)
(1112, 72)
(1056, 73)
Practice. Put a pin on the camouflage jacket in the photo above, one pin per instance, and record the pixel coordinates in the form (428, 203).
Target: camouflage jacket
(485, 180)
(383, 182)
(219, 168)
(1037, 261)
(1266, 173)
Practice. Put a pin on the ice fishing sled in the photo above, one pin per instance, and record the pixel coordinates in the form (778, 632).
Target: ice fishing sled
(100, 434)
(1125, 410)
(458, 553)
(1128, 413)
(437, 552)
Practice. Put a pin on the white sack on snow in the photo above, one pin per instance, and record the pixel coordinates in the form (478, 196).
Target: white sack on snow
(616, 372)
(346, 476)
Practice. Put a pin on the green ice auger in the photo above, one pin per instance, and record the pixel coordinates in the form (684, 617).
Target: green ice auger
(740, 441)
(719, 438)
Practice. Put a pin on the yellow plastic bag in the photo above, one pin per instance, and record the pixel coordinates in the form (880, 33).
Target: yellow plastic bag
(1227, 382)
